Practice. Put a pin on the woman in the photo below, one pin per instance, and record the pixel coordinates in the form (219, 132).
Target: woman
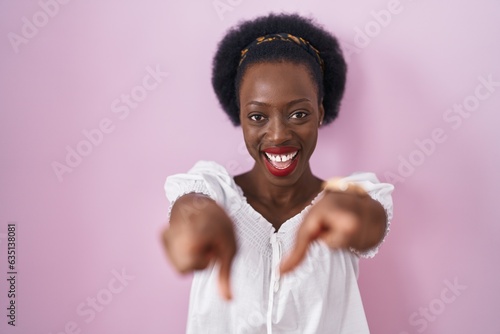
(282, 244)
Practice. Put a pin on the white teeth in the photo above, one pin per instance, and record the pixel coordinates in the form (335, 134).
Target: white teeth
(281, 157)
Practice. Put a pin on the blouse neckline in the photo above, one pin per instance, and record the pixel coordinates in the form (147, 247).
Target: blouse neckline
(287, 224)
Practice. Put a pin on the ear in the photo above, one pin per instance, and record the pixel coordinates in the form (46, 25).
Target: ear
(321, 110)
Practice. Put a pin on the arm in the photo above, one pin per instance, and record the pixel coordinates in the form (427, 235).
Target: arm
(354, 213)
(199, 233)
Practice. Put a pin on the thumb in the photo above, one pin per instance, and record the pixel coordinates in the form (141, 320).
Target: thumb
(308, 232)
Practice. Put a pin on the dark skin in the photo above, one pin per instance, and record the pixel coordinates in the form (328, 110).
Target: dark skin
(279, 106)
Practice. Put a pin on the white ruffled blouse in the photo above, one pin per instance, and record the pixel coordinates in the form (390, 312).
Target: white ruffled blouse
(320, 296)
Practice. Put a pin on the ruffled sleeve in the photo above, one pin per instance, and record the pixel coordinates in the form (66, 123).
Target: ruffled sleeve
(205, 177)
(379, 191)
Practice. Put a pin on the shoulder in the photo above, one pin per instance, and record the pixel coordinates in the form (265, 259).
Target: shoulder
(213, 174)
(207, 177)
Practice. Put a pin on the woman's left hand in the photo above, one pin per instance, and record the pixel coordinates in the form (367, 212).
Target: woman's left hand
(342, 219)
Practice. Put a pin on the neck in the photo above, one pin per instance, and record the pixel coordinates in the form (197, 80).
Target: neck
(286, 194)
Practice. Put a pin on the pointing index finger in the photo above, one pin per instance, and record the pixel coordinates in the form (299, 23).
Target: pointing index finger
(225, 256)
(308, 232)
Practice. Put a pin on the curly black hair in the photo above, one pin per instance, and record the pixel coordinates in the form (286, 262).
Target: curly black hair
(227, 75)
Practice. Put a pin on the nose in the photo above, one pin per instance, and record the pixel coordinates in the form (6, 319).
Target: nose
(278, 131)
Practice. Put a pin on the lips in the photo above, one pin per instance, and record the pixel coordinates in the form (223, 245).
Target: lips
(281, 161)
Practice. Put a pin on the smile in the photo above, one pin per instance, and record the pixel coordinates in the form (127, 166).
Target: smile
(281, 161)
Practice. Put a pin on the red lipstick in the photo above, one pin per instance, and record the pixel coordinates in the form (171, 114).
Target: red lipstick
(281, 160)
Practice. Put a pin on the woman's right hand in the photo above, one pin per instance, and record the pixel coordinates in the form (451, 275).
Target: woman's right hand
(200, 231)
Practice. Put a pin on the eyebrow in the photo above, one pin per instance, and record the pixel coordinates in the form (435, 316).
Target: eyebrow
(258, 103)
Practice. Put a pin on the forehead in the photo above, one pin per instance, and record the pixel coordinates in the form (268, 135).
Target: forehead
(277, 82)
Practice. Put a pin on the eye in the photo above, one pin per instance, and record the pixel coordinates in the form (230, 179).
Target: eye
(256, 117)
(299, 114)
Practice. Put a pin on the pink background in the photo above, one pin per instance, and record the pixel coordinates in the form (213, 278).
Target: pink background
(106, 214)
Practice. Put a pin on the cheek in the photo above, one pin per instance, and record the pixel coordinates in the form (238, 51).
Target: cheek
(309, 137)
(251, 140)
